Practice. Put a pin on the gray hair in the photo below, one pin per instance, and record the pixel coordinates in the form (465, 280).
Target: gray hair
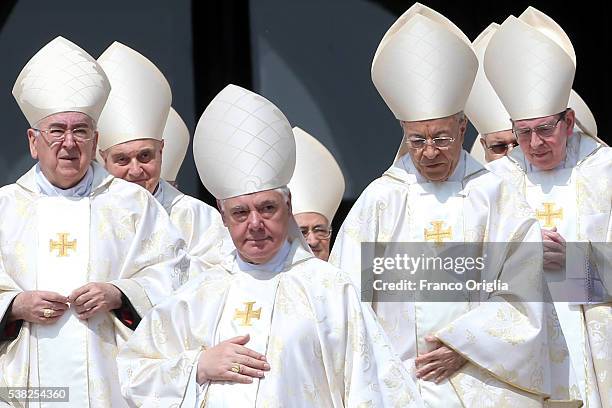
(283, 190)
(459, 117)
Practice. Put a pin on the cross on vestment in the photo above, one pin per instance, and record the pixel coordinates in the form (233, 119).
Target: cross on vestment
(436, 234)
(248, 314)
(548, 215)
(63, 245)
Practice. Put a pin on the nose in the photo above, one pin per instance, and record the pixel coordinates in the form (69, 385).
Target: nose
(430, 151)
(135, 170)
(312, 240)
(535, 140)
(69, 141)
(255, 220)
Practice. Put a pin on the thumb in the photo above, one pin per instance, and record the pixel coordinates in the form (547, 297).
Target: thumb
(554, 229)
(430, 339)
(242, 340)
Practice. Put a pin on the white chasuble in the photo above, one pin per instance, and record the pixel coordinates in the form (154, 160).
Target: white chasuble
(576, 199)
(486, 328)
(323, 347)
(200, 225)
(63, 258)
(116, 233)
(248, 310)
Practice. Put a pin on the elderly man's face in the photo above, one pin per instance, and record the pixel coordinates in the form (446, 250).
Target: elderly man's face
(498, 144)
(316, 231)
(137, 161)
(546, 151)
(436, 163)
(258, 224)
(65, 162)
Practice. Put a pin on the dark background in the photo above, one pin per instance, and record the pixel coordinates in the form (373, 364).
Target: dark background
(312, 58)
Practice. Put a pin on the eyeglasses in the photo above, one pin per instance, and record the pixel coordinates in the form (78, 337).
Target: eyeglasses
(544, 132)
(58, 135)
(501, 148)
(318, 232)
(438, 142)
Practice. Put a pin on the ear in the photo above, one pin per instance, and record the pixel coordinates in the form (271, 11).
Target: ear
(103, 154)
(95, 146)
(220, 208)
(570, 120)
(161, 146)
(32, 143)
(289, 203)
(482, 142)
(462, 127)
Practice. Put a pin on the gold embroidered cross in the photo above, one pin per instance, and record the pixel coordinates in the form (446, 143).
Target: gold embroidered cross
(437, 235)
(248, 314)
(63, 245)
(548, 215)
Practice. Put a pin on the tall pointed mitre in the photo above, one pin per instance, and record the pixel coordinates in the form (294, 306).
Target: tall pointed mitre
(584, 117)
(530, 63)
(176, 142)
(61, 77)
(139, 102)
(243, 144)
(424, 66)
(483, 107)
(317, 184)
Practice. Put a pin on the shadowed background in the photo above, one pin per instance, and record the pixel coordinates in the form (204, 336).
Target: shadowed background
(311, 58)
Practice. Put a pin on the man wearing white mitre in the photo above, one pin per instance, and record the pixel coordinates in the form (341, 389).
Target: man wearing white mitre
(132, 137)
(565, 176)
(491, 120)
(491, 349)
(84, 255)
(317, 186)
(282, 328)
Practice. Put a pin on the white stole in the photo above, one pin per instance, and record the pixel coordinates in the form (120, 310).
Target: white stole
(438, 217)
(248, 310)
(63, 259)
(552, 194)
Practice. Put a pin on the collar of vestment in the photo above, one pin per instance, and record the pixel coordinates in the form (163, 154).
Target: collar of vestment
(404, 170)
(580, 146)
(290, 254)
(100, 181)
(273, 266)
(167, 195)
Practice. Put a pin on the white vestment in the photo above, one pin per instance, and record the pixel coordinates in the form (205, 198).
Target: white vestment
(576, 198)
(207, 239)
(323, 347)
(501, 333)
(116, 233)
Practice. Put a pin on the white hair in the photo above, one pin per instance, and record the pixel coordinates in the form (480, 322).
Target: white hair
(283, 190)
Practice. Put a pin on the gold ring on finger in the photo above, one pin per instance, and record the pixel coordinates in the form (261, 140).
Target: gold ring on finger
(236, 368)
(47, 313)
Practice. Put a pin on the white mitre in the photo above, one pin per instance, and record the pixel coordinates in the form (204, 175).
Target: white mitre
(139, 102)
(584, 117)
(317, 184)
(61, 77)
(424, 66)
(531, 63)
(243, 144)
(483, 107)
(176, 142)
